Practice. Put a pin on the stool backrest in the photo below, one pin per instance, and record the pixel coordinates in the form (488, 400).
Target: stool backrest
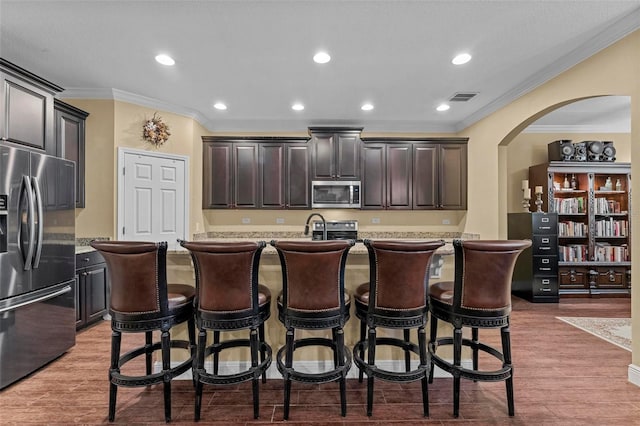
(137, 271)
(313, 274)
(226, 274)
(399, 273)
(484, 270)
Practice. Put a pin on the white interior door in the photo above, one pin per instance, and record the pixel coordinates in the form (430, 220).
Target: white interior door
(152, 197)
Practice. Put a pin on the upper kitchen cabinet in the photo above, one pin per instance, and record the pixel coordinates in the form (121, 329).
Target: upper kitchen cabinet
(230, 175)
(271, 173)
(26, 108)
(386, 176)
(440, 175)
(70, 141)
(335, 153)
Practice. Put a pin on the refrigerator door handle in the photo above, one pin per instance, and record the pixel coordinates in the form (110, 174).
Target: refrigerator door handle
(26, 189)
(63, 290)
(39, 222)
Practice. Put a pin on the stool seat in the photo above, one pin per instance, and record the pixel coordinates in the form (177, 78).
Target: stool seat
(313, 298)
(229, 299)
(141, 301)
(442, 291)
(395, 297)
(479, 297)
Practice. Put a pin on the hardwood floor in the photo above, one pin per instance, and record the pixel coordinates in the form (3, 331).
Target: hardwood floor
(563, 376)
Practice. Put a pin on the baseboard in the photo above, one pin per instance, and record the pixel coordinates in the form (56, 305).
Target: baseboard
(230, 367)
(633, 374)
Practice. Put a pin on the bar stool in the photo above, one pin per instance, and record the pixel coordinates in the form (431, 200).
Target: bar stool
(141, 301)
(313, 298)
(229, 298)
(479, 297)
(395, 297)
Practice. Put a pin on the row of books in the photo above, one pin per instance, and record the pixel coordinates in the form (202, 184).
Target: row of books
(569, 205)
(605, 206)
(573, 253)
(612, 228)
(609, 253)
(572, 229)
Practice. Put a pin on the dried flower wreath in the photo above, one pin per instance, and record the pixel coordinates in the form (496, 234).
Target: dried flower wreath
(155, 131)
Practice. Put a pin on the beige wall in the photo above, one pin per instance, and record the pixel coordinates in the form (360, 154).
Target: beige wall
(528, 149)
(613, 71)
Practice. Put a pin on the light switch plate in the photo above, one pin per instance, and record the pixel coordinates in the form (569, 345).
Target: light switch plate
(375, 220)
(280, 220)
(246, 220)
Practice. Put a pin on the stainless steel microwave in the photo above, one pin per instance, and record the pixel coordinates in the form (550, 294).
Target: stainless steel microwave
(335, 194)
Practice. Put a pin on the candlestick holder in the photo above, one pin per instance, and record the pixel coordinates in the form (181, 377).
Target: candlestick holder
(538, 202)
(525, 201)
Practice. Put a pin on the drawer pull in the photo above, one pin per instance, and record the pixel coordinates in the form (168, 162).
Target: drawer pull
(544, 248)
(545, 260)
(545, 240)
(544, 219)
(545, 269)
(545, 289)
(545, 281)
(545, 227)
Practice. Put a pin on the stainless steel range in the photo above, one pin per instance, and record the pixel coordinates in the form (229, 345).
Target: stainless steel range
(336, 230)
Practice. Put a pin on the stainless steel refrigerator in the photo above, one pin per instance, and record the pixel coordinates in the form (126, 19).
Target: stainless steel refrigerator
(37, 260)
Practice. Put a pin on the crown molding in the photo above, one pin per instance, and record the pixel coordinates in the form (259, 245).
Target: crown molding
(600, 41)
(602, 128)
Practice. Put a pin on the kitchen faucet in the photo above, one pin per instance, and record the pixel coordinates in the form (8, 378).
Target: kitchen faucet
(324, 225)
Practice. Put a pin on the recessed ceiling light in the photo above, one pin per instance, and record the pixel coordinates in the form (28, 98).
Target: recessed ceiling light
(321, 57)
(366, 107)
(443, 107)
(297, 107)
(460, 59)
(220, 106)
(165, 60)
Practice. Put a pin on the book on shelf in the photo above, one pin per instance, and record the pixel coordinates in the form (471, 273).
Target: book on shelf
(612, 228)
(568, 228)
(605, 206)
(605, 252)
(573, 253)
(569, 205)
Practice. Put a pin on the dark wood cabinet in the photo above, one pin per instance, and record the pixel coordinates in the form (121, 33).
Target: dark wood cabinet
(535, 276)
(255, 173)
(26, 108)
(440, 176)
(594, 226)
(335, 153)
(92, 289)
(284, 175)
(419, 174)
(387, 176)
(70, 141)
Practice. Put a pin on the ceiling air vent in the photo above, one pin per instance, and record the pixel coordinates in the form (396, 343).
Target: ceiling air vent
(462, 97)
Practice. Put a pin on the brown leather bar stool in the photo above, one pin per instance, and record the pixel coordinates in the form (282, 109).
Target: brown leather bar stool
(313, 298)
(141, 301)
(395, 297)
(479, 297)
(229, 298)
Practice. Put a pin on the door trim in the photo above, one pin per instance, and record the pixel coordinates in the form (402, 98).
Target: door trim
(121, 155)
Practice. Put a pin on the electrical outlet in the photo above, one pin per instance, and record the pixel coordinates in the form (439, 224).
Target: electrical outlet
(446, 222)
(375, 220)
(246, 220)
(279, 220)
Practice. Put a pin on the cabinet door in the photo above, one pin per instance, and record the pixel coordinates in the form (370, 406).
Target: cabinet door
(246, 174)
(272, 157)
(453, 176)
(96, 293)
(374, 194)
(216, 176)
(26, 113)
(347, 156)
(70, 143)
(399, 176)
(297, 185)
(323, 156)
(425, 176)
(79, 299)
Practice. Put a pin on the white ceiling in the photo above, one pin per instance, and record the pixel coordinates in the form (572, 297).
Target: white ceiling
(256, 57)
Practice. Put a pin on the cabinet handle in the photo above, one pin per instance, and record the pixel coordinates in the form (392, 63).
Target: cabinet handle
(545, 281)
(86, 259)
(545, 269)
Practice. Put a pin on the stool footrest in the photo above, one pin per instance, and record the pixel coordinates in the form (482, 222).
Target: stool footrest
(480, 375)
(243, 376)
(340, 372)
(419, 373)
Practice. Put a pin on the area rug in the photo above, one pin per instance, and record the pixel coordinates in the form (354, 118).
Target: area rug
(613, 330)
